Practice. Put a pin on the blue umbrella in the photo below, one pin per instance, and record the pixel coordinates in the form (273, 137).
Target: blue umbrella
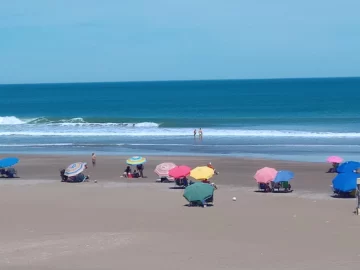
(283, 176)
(345, 182)
(349, 166)
(8, 162)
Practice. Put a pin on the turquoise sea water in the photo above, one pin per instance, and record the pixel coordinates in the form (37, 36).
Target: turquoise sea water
(298, 119)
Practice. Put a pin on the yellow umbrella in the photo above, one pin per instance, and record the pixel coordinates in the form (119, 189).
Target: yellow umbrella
(202, 173)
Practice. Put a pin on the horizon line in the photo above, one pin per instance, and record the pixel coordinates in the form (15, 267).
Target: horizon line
(189, 80)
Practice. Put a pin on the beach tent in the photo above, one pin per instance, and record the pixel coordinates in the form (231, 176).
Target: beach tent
(345, 182)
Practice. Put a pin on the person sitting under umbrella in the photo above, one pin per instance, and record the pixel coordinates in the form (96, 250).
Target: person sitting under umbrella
(334, 167)
(127, 171)
(136, 174)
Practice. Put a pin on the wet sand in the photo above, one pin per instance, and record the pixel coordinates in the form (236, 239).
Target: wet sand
(138, 224)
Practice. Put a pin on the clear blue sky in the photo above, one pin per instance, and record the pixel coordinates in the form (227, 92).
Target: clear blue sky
(135, 40)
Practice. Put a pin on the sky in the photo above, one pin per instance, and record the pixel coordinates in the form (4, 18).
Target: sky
(43, 41)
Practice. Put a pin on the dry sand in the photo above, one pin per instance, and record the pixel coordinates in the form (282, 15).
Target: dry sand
(138, 224)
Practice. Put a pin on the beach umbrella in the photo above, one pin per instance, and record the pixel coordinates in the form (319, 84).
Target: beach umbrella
(265, 175)
(349, 166)
(345, 182)
(163, 169)
(198, 192)
(75, 169)
(8, 162)
(180, 171)
(137, 160)
(334, 159)
(283, 176)
(202, 173)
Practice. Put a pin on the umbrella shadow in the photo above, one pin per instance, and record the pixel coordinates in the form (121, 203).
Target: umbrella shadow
(5, 177)
(282, 191)
(176, 187)
(190, 205)
(164, 181)
(274, 192)
(341, 197)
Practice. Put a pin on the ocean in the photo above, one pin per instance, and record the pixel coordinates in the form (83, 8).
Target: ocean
(291, 119)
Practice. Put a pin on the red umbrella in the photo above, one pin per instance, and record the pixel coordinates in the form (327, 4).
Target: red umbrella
(180, 171)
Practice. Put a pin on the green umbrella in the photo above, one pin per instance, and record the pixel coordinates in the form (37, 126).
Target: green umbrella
(198, 192)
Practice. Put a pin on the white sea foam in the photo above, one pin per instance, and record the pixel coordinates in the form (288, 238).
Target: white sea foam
(77, 121)
(178, 132)
(78, 127)
(10, 120)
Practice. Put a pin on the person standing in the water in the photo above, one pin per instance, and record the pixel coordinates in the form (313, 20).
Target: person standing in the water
(200, 133)
(195, 132)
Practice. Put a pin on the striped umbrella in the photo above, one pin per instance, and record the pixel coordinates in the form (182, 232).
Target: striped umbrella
(163, 169)
(75, 169)
(137, 160)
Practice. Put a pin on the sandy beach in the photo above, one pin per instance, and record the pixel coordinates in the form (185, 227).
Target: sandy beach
(136, 224)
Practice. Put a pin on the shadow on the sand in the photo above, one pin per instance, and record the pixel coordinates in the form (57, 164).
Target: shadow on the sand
(189, 205)
(283, 191)
(273, 192)
(335, 196)
(176, 187)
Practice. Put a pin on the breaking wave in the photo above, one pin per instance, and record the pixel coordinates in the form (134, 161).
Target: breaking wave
(77, 121)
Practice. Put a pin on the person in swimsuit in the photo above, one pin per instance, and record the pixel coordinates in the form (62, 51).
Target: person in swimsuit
(194, 132)
(93, 159)
(200, 133)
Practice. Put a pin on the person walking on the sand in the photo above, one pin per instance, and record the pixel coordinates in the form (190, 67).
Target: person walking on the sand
(93, 159)
(212, 167)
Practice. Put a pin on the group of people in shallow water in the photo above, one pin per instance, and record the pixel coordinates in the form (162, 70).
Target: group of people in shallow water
(200, 133)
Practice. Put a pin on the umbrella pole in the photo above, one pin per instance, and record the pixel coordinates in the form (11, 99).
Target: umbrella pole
(357, 196)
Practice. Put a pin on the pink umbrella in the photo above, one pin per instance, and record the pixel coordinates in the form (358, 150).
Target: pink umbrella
(163, 169)
(334, 159)
(180, 171)
(265, 175)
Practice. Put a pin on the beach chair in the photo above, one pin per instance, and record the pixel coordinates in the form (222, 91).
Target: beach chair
(264, 187)
(283, 185)
(207, 201)
(165, 180)
(11, 173)
(342, 194)
(181, 182)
